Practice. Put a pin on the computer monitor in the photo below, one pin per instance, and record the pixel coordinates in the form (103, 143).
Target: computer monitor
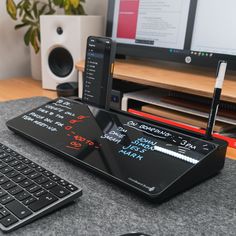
(190, 31)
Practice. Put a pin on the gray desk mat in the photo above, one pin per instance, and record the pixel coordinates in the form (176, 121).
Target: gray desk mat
(106, 209)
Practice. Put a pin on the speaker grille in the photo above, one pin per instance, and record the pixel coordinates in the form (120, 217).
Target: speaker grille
(60, 62)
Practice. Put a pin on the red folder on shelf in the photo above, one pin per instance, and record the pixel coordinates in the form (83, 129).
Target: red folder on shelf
(231, 141)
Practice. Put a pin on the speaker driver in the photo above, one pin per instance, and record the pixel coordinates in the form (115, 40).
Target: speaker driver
(60, 62)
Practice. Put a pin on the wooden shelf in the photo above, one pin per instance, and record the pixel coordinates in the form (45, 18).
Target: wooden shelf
(191, 80)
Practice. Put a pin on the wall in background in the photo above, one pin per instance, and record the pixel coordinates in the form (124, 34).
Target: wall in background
(14, 55)
(96, 7)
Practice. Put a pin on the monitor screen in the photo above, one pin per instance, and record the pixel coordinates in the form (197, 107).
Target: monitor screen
(190, 31)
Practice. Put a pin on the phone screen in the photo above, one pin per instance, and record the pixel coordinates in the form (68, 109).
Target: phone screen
(97, 71)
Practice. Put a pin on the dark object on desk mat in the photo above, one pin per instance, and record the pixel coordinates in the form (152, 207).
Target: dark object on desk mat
(67, 89)
(135, 234)
(106, 209)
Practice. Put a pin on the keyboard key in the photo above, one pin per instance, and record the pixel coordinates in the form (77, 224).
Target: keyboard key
(40, 193)
(26, 183)
(4, 155)
(3, 180)
(72, 188)
(4, 212)
(26, 161)
(49, 184)
(14, 163)
(54, 177)
(2, 165)
(8, 150)
(22, 195)
(63, 182)
(40, 169)
(8, 185)
(12, 174)
(6, 169)
(20, 167)
(8, 220)
(59, 191)
(33, 188)
(15, 190)
(14, 154)
(42, 202)
(34, 175)
(8, 159)
(42, 179)
(19, 178)
(5, 199)
(33, 165)
(18, 209)
(29, 200)
(47, 173)
(27, 171)
(20, 157)
(2, 193)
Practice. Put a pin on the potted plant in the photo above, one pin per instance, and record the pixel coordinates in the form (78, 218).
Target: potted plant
(27, 14)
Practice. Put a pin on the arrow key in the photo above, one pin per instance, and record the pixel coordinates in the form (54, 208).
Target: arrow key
(42, 202)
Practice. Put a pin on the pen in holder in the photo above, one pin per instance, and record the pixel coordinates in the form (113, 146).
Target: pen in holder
(220, 75)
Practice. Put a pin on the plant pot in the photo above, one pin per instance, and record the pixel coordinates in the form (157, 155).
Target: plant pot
(35, 61)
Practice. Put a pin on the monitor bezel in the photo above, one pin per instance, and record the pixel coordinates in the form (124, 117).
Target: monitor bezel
(185, 56)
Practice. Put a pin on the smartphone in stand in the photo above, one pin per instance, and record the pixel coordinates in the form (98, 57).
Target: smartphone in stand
(99, 65)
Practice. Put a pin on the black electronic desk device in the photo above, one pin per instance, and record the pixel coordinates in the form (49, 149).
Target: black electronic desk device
(154, 160)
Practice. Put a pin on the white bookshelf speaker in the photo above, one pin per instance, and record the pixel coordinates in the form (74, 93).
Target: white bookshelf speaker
(63, 44)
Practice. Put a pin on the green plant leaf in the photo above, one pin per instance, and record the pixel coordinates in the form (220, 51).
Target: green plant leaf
(66, 4)
(34, 40)
(27, 37)
(38, 33)
(28, 14)
(35, 9)
(58, 2)
(28, 22)
(42, 10)
(74, 3)
(20, 26)
(81, 10)
(11, 9)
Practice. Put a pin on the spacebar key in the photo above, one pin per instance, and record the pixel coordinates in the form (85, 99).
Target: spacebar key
(42, 202)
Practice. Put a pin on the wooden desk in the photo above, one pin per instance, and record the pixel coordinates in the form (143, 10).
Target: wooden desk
(192, 80)
(17, 88)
